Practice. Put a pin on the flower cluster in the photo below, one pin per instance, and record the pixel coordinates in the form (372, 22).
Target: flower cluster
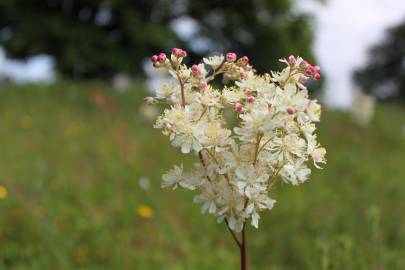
(270, 137)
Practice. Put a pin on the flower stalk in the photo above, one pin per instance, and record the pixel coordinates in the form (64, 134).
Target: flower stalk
(238, 165)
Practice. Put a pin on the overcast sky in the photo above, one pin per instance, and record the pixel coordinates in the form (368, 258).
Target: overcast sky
(344, 31)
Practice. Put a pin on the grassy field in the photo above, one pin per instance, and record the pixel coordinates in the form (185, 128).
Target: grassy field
(70, 162)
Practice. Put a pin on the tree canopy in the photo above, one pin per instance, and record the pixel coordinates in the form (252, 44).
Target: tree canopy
(384, 74)
(91, 38)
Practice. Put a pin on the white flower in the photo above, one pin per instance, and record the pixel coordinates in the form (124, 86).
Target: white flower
(176, 177)
(233, 95)
(144, 183)
(241, 155)
(208, 198)
(318, 156)
(295, 173)
(250, 180)
(258, 202)
(287, 148)
(166, 91)
(314, 111)
(363, 108)
(214, 61)
(215, 136)
(173, 177)
(187, 141)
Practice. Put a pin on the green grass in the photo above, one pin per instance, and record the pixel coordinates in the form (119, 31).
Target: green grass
(71, 157)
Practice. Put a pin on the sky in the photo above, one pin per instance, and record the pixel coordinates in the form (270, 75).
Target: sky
(344, 30)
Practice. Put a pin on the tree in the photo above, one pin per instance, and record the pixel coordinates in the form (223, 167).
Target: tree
(91, 38)
(384, 74)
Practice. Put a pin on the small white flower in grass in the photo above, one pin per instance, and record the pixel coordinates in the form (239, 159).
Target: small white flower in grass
(144, 183)
(363, 108)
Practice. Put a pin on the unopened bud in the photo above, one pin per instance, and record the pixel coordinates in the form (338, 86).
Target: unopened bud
(251, 99)
(154, 58)
(196, 70)
(231, 57)
(290, 110)
(245, 60)
(317, 76)
(238, 107)
(182, 53)
(291, 59)
(162, 57)
(149, 100)
(310, 70)
(202, 85)
(175, 51)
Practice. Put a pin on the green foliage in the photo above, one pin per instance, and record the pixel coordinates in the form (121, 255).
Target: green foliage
(100, 38)
(384, 74)
(71, 156)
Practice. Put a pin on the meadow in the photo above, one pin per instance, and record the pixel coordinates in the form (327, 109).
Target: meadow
(71, 160)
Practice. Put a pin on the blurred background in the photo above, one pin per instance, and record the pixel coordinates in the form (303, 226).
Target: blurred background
(81, 165)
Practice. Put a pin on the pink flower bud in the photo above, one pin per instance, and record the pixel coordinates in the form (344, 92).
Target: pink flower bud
(162, 57)
(238, 107)
(317, 69)
(291, 59)
(202, 85)
(231, 57)
(182, 53)
(251, 99)
(149, 100)
(175, 51)
(154, 58)
(196, 70)
(317, 76)
(290, 110)
(310, 70)
(245, 60)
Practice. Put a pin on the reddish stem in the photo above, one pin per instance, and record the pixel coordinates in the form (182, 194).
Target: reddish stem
(243, 250)
(242, 244)
(183, 99)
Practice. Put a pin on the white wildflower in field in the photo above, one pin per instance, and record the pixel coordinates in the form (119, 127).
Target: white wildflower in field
(271, 137)
(363, 108)
(144, 183)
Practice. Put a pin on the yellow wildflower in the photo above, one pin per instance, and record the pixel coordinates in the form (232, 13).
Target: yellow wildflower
(3, 192)
(26, 122)
(145, 211)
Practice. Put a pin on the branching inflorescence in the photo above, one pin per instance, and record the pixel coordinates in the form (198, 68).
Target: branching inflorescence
(238, 161)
